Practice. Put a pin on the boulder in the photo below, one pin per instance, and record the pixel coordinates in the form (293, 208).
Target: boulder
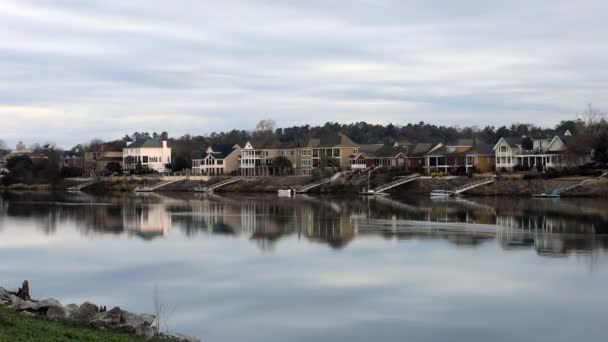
(26, 305)
(44, 304)
(111, 318)
(56, 313)
(118, 319)
(71, 310)
(85, 312)
(183, 338)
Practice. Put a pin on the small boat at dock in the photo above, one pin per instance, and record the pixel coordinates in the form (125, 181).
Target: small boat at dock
(286, 192)
(442, 194)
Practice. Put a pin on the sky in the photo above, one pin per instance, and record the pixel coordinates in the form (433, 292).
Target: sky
(73, 70)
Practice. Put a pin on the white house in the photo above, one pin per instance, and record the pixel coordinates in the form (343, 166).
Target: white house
(217, 160)
(532, 152)
(153, 154)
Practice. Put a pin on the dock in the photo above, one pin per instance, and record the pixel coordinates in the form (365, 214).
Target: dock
(158, 185)
(318, 183)
(461, 189)
(210, 188)
(379, 190)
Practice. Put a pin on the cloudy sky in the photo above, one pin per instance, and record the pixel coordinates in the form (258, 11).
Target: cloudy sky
(72, 70)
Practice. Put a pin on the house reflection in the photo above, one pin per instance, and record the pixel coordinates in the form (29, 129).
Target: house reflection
(553, 228)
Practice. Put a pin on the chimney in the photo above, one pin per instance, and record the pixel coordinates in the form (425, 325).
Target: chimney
(164, 143)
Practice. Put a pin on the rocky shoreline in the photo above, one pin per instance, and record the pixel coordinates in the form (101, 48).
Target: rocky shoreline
(504, 186)
(87, 313)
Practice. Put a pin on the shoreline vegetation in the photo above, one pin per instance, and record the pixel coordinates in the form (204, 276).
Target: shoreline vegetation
(23, 318)
(505, 185)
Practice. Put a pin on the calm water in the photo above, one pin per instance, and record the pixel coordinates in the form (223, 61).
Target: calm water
(260, 268)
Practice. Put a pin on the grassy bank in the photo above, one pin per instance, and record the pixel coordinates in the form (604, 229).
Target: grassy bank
(14, 327)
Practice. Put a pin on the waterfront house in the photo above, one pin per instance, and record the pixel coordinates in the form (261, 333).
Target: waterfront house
(461, 156)
(334, 145)
(388, 156)
(257, 157)
(217, 160)
(96, 161)
(534, 152)
(151, 154)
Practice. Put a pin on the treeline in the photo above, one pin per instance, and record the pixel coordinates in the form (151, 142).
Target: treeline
(590, 128)
(590, 131)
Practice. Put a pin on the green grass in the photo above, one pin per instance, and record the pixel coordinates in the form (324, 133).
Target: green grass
(14, 327)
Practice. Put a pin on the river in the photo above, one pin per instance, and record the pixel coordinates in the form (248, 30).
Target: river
(263, 268)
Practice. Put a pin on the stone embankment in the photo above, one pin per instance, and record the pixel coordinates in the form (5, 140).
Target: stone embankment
(88, 314)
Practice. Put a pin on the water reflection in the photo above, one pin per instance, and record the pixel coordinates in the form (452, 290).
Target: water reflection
(550, 227)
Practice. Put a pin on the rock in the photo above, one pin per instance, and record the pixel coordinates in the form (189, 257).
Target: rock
(71, 310)
(111, 318)
(14, 301)
(56, 313)
(85, 312)
(118, 319)
(47, 303)
(3, 293)
(27, 305)
(183, 338)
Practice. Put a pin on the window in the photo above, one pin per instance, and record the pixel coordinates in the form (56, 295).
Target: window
(145, 159)
(220, 162)
(451, 149)
(503, 148)
(470, 160)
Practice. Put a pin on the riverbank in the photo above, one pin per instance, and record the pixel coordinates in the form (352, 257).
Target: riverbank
(350, 184)
(25, 319)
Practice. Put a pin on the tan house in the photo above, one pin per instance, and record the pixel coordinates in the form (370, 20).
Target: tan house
(257, 157)
(218, 160)
(334, 145)
(95, 162)
(461, 156)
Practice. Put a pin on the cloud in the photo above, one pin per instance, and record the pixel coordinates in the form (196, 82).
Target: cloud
(105, 68)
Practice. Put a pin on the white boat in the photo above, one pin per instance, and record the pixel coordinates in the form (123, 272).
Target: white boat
(442, 194)
(286, 192)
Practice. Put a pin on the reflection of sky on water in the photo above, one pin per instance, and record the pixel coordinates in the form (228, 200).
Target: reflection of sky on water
(395, 285)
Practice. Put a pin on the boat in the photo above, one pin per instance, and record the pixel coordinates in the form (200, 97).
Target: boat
(442, 194)
(286, 192)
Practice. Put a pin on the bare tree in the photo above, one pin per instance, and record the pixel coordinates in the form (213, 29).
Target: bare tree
(162, 314)
(591, 118)
(266, 125)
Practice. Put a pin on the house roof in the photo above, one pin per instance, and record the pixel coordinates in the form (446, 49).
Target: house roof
(460, 142)
(220, 151)
(478, 147)
(261, 143)
(514, 141)
(146, 143)
(420, 149)
(331, 140)
(370, 147)
(481, 149)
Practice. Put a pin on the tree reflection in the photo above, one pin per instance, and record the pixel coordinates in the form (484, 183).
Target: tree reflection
(552, 228)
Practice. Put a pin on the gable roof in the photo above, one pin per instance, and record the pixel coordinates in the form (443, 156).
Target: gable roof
(511, 141)
(481, 149)
(420, 149)
(331, 140)
(146, 143)
(219, 151)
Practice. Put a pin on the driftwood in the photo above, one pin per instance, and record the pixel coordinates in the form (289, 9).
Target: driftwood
(24, 291)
